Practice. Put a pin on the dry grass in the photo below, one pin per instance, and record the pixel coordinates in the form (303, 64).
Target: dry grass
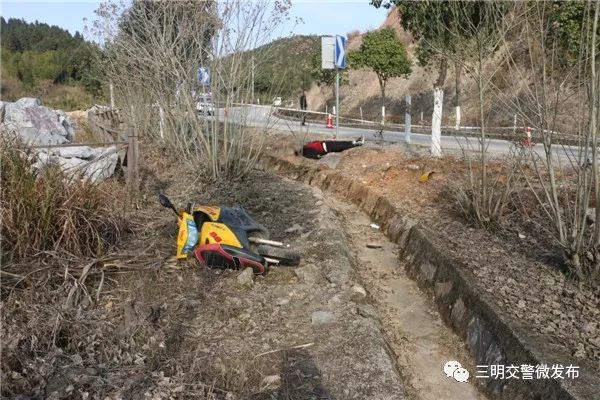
(119, 324)
(66, 97)
(44, 210)
(56, 96)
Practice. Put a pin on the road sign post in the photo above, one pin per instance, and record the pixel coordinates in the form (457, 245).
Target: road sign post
(337, 102)
(204, 76)
(333, 56)
(340, 63)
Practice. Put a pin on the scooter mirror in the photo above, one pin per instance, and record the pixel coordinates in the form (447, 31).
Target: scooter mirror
(165, 202)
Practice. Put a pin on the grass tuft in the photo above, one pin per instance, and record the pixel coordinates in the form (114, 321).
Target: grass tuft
(46, 210)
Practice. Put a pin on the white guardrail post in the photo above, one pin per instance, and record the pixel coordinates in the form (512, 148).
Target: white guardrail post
(407, 119)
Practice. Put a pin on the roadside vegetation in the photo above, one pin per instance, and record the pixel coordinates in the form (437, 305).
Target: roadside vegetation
(382, 52)
(144, 43)
(49, 212)
(548, 53)
(48, 62)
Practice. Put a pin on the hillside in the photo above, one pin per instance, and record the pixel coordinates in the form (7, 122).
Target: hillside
(295, 57)
(48, 62)
(283, 66)
(362, 90)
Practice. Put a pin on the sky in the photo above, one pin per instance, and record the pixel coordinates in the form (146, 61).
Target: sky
(319, 17)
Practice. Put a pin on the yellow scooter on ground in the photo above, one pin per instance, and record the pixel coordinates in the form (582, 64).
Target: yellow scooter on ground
(227, 237)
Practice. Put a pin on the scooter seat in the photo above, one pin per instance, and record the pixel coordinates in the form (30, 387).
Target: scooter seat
(238, 219)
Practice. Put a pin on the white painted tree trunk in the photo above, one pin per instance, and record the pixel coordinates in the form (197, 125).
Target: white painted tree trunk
(457, 126)
(436, 122)
(382, 115)
(407, 119)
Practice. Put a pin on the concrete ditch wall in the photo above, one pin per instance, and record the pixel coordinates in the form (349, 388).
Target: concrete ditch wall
(490, 335)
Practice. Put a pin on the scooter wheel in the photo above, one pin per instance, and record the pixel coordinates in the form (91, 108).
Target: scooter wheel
(290, 258)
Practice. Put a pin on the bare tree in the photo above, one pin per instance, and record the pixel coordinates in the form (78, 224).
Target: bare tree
(476, 33)
(153, 53)
(552, 100)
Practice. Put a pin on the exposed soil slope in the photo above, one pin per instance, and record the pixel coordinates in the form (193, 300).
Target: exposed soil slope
(522, 274)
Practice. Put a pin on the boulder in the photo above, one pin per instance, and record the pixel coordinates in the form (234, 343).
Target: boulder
(69, 126)
(71, 165)
(103, 165)
(98, 164)
(83, 152)
(29, 102)
(36, 124)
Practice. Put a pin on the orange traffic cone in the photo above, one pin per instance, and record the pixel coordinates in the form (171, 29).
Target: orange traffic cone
(329, 121)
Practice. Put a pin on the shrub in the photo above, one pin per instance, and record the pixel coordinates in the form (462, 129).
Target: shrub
(45, 210)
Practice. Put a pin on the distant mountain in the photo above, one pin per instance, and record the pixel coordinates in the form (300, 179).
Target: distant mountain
(36, 57)
(19, 36)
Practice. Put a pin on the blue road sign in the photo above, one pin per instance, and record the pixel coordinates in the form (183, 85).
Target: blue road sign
(340, 52)
(204, 76)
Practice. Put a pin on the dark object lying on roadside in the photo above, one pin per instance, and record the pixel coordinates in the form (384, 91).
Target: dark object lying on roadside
(318, 148)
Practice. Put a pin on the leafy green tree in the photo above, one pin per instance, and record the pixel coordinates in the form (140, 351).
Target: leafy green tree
(567, 20)
(34, 52)
(429, 22)
(385, 54)
(324, 76)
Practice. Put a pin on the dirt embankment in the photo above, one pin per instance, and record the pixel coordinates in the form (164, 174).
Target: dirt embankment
(515, 267)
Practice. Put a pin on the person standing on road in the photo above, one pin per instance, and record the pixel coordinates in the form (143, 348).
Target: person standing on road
(303, 106)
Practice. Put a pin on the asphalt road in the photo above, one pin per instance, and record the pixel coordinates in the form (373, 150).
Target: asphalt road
(262, 116)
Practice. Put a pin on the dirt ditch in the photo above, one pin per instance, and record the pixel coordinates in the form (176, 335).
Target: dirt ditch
(420, 342)
(385, 184)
